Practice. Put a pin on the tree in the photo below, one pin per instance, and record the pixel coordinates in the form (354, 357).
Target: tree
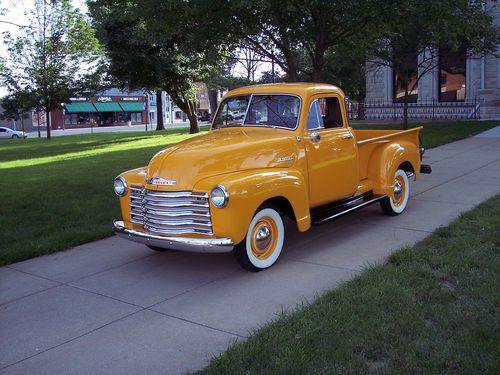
(54, 57)
(296, 34)
(419, 29)
(16, 106)
(154, 45)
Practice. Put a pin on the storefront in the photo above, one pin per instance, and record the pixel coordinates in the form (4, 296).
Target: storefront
(110, 108)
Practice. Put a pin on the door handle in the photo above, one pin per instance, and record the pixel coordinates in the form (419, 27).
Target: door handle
(314, 137)
(348, 136)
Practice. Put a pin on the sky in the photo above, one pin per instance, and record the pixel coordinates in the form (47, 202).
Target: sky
(15, 14)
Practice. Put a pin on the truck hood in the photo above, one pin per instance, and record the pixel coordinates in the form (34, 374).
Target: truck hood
(221, 151)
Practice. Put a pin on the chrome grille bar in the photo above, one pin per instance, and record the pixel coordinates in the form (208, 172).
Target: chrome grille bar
(179, 212)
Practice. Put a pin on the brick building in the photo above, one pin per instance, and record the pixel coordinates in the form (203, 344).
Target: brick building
(107, 108)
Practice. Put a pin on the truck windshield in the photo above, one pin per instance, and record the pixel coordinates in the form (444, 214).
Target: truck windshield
(280, 111)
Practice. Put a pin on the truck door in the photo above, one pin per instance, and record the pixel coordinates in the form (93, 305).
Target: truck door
(331, 151)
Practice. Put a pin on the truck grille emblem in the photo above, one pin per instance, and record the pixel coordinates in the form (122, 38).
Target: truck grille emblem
(161, 181)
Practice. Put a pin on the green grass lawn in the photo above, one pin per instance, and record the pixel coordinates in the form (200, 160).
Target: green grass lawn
(58, 193)
(433, 308)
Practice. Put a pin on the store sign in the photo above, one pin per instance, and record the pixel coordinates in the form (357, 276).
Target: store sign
(104, 99)
(128, 99)
(78, 99)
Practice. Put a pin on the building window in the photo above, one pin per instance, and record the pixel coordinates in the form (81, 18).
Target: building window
(452, 77)
(77, 118)
(136, 116)
(405, 78)
(123, 117)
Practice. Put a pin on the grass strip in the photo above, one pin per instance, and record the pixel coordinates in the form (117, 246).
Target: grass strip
(59, 193)
(432, 308)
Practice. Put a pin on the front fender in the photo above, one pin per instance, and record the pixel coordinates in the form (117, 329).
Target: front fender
(247, 191)
(386, 159)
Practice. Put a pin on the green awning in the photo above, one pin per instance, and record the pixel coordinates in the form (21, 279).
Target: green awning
(132, 106)
(108, 107)
(79, 108)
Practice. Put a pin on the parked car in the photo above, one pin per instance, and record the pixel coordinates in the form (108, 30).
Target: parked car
(293, 154)
(9, 133)
(203, 116)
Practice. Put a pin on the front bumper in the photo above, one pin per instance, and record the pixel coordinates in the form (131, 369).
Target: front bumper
(197, 245)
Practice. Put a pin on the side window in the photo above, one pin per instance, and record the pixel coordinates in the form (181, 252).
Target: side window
(314, 119)
(3, 130)
(325, 113)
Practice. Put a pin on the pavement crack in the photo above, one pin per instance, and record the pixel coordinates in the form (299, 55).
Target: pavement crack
(320, 264)
(198, 324)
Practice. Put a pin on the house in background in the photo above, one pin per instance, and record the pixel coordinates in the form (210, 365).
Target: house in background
(26, 123)
(460, 86)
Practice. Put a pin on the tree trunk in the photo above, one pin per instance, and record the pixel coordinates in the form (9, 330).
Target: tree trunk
(188, 107)
(316, 74)
(159, 111)
(193, 122)
(212, 99)
(47, 122)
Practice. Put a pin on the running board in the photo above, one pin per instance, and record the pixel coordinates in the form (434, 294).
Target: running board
(322, 214)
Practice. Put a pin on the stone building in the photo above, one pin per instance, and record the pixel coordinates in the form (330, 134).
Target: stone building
(459, 86)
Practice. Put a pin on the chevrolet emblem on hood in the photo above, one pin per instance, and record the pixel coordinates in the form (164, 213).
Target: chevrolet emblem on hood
(161, 181)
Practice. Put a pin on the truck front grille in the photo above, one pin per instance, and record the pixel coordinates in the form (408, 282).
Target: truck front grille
(176, 212)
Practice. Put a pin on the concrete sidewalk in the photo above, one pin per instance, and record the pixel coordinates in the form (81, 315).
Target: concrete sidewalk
(115, 307)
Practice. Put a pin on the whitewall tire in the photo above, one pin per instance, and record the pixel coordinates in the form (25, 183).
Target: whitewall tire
(396, 202)
(263, 243)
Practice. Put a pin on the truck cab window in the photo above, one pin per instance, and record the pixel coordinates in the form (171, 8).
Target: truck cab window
(325, 113)
(315, 120)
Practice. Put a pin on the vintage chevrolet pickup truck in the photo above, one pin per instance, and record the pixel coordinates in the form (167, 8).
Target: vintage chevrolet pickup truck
(291, 153)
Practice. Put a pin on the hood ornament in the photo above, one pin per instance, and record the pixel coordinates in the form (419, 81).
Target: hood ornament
(161, 181)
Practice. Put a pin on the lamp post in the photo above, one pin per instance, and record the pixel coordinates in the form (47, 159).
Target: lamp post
(63, 116)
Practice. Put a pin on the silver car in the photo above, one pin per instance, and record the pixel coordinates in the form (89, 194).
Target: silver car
(9, 133)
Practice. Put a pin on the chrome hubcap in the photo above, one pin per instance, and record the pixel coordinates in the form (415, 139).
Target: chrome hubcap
(263, 237)
(398, 190)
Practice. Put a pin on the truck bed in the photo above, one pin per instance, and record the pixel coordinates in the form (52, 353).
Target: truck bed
(369, 140)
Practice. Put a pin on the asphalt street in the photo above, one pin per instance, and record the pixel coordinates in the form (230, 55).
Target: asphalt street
(116, 307)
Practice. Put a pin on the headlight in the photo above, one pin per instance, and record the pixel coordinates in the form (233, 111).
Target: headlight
(219, 196)
(120, 186)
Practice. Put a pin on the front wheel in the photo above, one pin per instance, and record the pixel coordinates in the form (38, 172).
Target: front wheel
(263, 243)
(15, 136)
(396, 202)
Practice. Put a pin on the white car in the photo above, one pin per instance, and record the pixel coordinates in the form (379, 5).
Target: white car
(9, 133)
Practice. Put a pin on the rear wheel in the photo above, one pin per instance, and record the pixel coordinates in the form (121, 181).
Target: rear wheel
(264, 241)
(396, 202)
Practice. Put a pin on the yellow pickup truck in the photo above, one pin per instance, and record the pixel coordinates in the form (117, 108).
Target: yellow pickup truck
(291, 153)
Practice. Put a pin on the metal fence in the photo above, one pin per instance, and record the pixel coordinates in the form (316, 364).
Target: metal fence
(469, 109)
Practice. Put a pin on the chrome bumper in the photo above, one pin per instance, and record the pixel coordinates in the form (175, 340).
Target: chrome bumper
(198, 245)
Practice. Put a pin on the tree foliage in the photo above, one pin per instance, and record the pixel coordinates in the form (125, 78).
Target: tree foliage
(53, 58)
(157, 46)
(298, 34)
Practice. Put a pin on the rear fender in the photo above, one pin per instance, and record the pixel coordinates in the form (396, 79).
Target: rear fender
(386, 159)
